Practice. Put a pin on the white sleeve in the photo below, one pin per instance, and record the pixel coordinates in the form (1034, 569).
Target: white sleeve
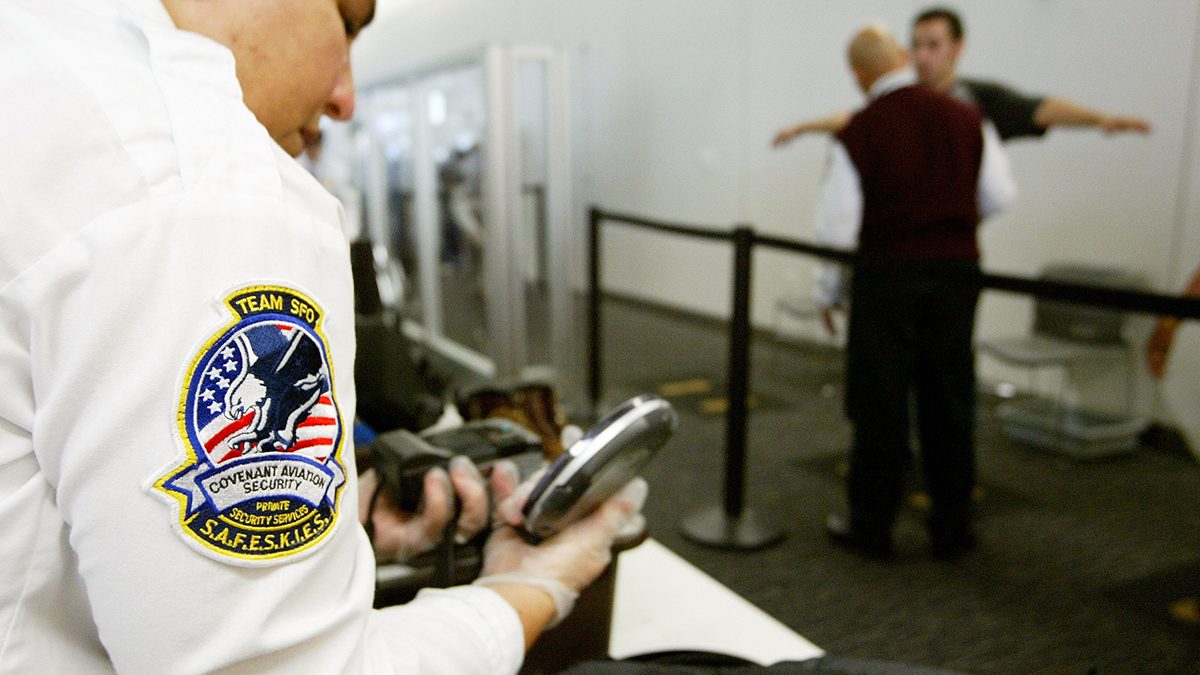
(838, 220)
(465, 629)
(997, 187)
(163, 594)
(177, 351)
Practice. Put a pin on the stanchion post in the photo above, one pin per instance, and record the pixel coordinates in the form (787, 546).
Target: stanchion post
(595, 216)
(738, 374)
(734, 526)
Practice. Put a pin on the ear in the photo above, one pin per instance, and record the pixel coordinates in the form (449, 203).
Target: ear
(862, 78)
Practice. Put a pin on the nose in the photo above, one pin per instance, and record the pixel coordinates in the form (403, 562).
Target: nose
(340, 105)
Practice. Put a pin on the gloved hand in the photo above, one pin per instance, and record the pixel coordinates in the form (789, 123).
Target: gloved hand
(400, 536)
(567, 562)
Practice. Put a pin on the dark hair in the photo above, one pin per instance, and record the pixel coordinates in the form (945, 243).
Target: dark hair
(945, 14)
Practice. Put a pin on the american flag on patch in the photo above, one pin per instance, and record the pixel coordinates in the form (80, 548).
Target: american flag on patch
(256, 370)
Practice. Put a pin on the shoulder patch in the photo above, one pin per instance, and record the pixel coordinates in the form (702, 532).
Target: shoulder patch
(261, 431)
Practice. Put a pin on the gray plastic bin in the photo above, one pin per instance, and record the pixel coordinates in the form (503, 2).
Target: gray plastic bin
(1072, 431)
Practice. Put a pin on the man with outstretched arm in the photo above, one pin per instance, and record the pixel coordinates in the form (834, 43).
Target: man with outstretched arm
(937, 42)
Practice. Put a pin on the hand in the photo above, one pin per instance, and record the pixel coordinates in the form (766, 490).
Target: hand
(784, 136)
(401, 536)
(828, 321)
(1112, 124)
(1158, 347)
(568, 561)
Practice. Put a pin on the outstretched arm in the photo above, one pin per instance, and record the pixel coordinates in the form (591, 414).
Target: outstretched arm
(830, 124)
(1059, 112)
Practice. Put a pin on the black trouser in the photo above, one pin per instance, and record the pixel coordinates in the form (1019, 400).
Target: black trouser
(911, 326)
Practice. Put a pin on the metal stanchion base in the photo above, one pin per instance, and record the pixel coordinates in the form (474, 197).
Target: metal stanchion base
(712, 527)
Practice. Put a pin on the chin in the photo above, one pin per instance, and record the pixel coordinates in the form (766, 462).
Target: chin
(292, 144)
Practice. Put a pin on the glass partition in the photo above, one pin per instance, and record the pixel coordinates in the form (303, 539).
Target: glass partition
(465, 196)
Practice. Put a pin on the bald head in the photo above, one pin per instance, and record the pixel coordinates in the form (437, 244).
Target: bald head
(873, 53)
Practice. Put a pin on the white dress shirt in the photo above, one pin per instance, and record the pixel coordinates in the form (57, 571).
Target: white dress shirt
(136, 191)
(840, 203)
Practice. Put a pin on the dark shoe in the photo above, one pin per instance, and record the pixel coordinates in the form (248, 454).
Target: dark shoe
(868, 545)
(953, 547)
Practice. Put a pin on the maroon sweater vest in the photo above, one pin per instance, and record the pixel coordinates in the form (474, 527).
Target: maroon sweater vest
(917, 153)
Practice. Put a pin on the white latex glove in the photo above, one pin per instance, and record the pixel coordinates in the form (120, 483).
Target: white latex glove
(401, 536)
(567, 562)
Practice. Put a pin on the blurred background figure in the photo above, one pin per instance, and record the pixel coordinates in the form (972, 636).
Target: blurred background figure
(938, 38)
(908, 180)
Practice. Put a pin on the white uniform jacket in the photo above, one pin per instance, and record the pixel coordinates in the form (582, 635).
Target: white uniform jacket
(177, 491)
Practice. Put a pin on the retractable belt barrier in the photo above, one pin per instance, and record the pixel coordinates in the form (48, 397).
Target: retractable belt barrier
(732, 525)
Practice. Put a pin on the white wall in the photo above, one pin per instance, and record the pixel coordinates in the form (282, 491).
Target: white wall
(675, 102)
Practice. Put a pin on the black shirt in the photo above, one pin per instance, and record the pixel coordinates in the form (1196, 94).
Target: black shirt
(1011, 111)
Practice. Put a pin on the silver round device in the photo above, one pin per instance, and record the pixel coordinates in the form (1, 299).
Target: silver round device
(609, 455)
